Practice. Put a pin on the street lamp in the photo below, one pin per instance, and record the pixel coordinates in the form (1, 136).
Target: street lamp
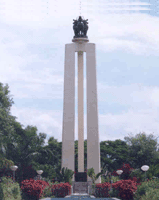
(104, 174)
(110, 179)
(39, 173)
(145, 168)
(14, 168)
(119, 172)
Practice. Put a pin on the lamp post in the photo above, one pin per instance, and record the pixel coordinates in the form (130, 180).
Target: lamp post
(14, 168)
(145, 168)
(104, 174)
(110, 178)
(39, 173)
(119, 172)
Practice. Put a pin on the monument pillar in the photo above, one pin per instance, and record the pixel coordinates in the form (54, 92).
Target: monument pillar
(68, 131)
(80, 44)
(80, 114)
(93, 144)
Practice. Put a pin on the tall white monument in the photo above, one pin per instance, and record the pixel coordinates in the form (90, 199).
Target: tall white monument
(80, 44)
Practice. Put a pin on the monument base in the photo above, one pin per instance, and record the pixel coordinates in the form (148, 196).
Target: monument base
(82, 187)
(80, 40)
(84, 195)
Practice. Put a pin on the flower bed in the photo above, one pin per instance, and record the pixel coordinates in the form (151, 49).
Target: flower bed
(124, 189)
(35, 188)
(102, 190)
(61, 190)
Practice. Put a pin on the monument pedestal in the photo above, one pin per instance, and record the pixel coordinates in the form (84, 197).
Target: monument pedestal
(82, 187)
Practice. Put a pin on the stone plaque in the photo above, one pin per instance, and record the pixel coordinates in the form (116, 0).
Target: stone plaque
(81, 177)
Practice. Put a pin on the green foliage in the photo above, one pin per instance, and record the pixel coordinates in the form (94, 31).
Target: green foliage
(76, 155)
(65, 175)
(145, 187)
(152, 194)
(114, 193)
(92, 175)
(115, 179)
(26, 148)
(5, 163)
(6, 120)
(142, 149)
(9, 190)
(28, 197)
(113, 154)
(138, 173)
(5, 98)
(153, 171)
(47, 192)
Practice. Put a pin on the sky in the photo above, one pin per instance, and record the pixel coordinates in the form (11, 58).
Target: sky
(126, 34)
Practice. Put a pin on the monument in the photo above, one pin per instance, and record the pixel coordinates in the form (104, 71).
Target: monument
(80, 44)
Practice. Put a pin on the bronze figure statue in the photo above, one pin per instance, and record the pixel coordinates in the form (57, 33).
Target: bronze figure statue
(80, 27)
(85, 29)
(75, 28)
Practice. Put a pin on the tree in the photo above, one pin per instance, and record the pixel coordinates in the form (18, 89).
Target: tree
(5, 165)
(65, 175)
(28, 150)
(6, 120)
(7, 131)
(113, 154)
(55, 148)
(142, 150)
(92, 175)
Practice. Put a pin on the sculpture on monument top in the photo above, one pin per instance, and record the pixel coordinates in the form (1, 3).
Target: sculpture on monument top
(80, 27)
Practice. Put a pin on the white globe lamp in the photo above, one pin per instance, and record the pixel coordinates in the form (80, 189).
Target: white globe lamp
(119, 172)
(14, 168)
(39, 173)
(145, 168)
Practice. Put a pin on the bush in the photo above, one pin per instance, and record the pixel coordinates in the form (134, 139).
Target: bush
(145, 187)
(101, 189)
(28, 197)
(9, 189)
(138, 173)
(107, 179)
(114, 193)
(47, 192)
(126, 189)
(152, 194)
(33, 188)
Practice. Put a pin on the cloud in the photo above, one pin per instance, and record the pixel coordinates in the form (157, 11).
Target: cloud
(133, 121)
(110, 32)
(141, 116)
(48, 122)
(32, 42)
(127, 33)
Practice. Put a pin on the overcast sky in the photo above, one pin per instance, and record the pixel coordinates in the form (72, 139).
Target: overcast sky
(33, 35)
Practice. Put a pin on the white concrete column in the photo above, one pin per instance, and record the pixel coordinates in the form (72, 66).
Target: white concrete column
(80, 114)
(68, 131)
(93, 145)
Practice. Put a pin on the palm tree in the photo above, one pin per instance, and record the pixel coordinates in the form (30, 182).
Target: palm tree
(65, 175)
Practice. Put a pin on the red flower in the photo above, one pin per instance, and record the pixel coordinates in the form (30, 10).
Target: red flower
(33, 188)
(126, 188)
